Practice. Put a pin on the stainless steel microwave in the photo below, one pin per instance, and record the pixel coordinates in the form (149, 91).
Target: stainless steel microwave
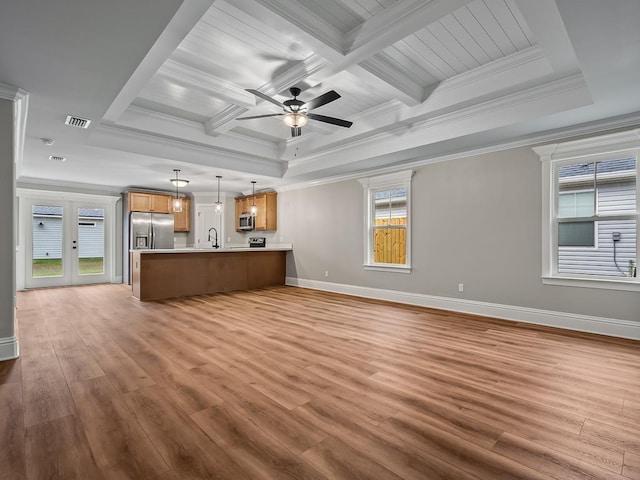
(246, 221)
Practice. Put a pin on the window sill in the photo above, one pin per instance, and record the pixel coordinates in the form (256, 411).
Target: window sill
(379, 267)
(629, 285)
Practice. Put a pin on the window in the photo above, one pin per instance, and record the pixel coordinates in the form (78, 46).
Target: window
(387, 238)
(591, 214)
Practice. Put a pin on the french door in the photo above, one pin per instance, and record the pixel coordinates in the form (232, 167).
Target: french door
(67, 242)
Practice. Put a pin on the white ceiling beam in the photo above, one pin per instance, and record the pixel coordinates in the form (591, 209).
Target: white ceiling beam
(178, 28)
(327, 42)
(413, 92)
(214, 86)
(159, 146)
(395, 23)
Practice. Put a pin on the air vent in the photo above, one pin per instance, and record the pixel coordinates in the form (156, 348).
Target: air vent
(56, 158)
(77, 122)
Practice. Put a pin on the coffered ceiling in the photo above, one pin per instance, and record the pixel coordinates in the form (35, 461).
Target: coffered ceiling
(164, 82)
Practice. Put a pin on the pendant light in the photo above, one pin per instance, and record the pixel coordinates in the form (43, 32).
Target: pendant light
(254, 209)
(178, 182)
(218, 204)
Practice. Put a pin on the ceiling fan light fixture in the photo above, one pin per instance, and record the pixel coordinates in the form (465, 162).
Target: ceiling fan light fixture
(295, 119)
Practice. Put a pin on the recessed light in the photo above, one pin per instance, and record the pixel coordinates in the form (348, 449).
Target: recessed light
(48, 141)
(57, 158)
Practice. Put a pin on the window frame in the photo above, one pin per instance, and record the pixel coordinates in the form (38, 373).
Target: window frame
(370, 186)
(608, 147)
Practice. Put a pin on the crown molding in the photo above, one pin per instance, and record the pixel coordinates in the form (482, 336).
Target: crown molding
(618, 142)
(9, 92)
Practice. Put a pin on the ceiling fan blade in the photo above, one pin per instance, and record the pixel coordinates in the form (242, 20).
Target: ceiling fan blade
(260, 116)
(322, 100)
(265, 97)
(331, 120)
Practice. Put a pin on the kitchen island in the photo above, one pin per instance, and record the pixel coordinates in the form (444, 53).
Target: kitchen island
(170, 273)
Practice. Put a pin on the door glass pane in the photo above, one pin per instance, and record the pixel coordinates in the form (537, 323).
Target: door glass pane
(47, 222)
(90, 241)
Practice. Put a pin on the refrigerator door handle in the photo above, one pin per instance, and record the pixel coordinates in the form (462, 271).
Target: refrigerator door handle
(152, 234)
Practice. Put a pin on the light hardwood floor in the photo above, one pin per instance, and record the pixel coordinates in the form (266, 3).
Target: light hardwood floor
(297, 384)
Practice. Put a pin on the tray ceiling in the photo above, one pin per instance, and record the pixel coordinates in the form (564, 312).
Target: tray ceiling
(416, 77)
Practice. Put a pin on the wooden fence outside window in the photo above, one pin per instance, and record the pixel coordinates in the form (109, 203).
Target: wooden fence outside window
(390, 244)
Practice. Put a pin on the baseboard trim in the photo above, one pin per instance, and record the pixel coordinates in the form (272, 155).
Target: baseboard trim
(569, 321)
(9, 348)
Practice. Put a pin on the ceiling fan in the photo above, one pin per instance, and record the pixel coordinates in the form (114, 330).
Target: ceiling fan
(297, 113)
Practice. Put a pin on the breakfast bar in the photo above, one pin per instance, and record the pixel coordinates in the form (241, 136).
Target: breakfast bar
(157, 274)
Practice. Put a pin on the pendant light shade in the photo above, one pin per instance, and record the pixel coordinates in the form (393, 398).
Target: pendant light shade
(254, 209)
(178, 182)
(218, 205)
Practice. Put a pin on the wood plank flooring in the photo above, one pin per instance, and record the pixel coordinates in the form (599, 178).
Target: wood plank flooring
(287, 383)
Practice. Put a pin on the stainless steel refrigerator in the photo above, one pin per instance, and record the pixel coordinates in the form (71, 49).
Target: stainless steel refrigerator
(150, 230)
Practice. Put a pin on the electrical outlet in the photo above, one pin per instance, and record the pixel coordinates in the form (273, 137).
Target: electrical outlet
(461, 287)
(228, 239)
(326, 273)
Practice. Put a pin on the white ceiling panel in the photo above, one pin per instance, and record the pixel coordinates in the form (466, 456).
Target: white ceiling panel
(335, 13)
(367, 8)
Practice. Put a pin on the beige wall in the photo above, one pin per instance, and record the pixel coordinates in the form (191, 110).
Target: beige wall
(475, 221)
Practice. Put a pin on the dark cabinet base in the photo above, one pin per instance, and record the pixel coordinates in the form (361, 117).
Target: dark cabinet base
(169, 275)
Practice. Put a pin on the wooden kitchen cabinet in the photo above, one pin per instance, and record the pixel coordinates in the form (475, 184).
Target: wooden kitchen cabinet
(181, 220)
(149, 202)
(267, 215)
(162, 203)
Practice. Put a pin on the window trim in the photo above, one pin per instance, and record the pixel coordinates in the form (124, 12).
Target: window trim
(606, 147)
(369, 184)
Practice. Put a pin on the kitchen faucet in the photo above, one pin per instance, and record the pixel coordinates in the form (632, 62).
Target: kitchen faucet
(214, 245)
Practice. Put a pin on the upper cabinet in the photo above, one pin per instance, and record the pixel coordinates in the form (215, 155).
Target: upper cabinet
(181, 220)
(149, 202)
(161, 203)
(267, 214)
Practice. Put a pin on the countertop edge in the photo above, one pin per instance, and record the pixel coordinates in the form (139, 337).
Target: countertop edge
(213, 250)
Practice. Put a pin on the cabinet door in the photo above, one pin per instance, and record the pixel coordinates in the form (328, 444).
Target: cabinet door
(182, 220)
(139, 202)
(271, 211)
(261, 215)
(161, 204)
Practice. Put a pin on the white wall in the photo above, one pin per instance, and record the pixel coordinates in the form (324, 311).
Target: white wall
(476, 221)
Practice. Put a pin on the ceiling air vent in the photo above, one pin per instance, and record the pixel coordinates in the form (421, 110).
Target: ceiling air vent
(56, 158)
(77, 122)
